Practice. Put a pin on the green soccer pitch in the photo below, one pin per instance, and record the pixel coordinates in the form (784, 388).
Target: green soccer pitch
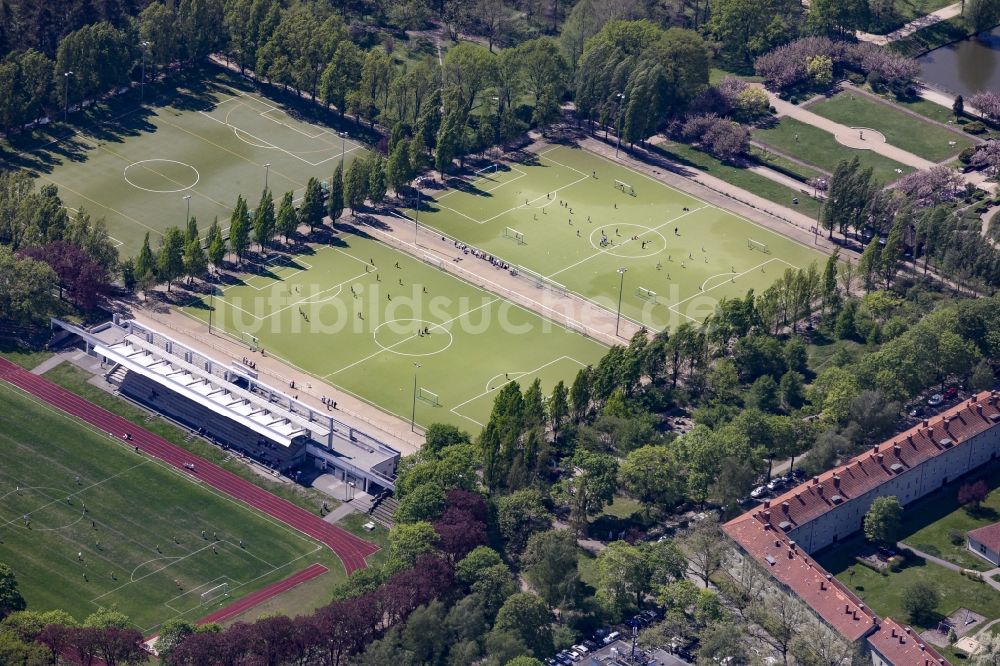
(376, 322)
(110, 528)
(569, 216)
(212, 146)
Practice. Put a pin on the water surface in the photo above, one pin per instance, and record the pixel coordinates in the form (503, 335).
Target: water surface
(966, 67)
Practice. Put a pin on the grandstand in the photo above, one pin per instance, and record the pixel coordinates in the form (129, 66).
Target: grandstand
(229, 405)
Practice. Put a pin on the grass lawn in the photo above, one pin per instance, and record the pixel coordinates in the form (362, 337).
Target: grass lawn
(623, 507)
(781, 163)
(304, 599)
(931, 37)
(748, 180)
(819, 147)
(74, 379)
(884, 593)
(383, 325)
(578, 227)
(905, 11)
(141, 169)
(108, 527)
(927, 524)
(26, 358)
(902, 130)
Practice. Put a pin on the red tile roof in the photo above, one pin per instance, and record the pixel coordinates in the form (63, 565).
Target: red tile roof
(902, 645)
(760, 534)
(789, 564)
(868, 470)
(989, 536)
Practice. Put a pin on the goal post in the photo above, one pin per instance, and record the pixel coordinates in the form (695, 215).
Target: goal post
(646, 294)
(429, 397)
(514, 234)
(487, 170)
(217, 592)
(625, 187)
(542, 282)
(757, 245)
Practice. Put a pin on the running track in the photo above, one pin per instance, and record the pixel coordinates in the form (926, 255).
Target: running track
(262, 595)
(350, 549)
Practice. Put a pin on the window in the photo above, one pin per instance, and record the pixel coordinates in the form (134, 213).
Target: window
(982, 548)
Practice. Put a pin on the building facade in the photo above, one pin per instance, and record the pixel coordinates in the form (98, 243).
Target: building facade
(781, 533)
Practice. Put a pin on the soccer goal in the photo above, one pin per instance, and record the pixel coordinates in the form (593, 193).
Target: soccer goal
(514, 235)
(429, 397)
(433, 261)
(646, 294)
(625, 187)
(757, 245)
(487, 171)
(217, 592)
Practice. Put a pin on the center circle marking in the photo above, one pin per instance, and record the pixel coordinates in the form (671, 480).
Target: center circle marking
(49, 502)
(197, 176)
(421, 323)
(611, 249)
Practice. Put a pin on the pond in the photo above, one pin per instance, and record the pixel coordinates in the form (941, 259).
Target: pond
(966, 67)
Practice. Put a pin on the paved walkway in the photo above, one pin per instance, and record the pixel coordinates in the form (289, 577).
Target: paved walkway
(852, 137)
(990, 212)
(339, 512)
(49, 363)
(987, 575)
(846, 135)
(919, 23)
(351, 410)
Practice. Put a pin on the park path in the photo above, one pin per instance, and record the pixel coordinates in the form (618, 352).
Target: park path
(919, 23)
(987, 575)
(851, 138)
(985, 231)
(351, 549)
(845, 135)
(353, 411)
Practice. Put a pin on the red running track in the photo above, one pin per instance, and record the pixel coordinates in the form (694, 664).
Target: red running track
(246, 603)
(350, 549)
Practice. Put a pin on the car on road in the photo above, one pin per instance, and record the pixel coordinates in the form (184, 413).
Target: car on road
(935, 400)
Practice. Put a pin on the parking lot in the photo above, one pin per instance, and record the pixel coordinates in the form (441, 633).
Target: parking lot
(613, 647)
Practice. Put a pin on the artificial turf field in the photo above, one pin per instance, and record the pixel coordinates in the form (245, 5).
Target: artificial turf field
(689, 253)
(306, 311)
(137, 505)
(211, 146)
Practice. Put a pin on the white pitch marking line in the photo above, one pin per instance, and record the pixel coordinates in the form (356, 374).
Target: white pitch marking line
(608, 251)
(396, 344)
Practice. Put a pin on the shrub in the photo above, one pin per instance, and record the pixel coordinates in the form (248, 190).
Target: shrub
(856, 78)
(975, 127)
(957, 537)
(965, 157)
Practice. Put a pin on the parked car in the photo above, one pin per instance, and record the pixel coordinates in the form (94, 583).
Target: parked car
(611, 638)
(775, 483)
(564, 659)
(917, 412)
(935, 400)
(582, 649)
(758, 492)
(950, 392)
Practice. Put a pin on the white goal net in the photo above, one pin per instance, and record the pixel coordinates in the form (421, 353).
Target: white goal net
(217, 592)
(757, 245)
(429, 397)
(646, 294)
(514, 235)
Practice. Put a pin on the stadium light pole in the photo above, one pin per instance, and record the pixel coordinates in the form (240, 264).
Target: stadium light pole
(187, 219)
(618, 130)
(267, 171)
(621, 289)
(66, 74)
(142, 80)
(416, 215)
(413, 412)
(343, 145)
(211, 306)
